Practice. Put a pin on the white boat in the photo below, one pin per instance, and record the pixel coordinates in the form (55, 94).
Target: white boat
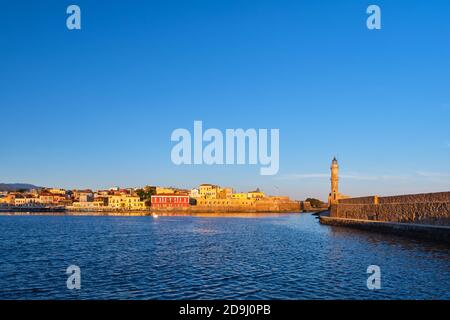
(154, 215)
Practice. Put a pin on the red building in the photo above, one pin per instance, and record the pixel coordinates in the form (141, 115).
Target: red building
(170, 201)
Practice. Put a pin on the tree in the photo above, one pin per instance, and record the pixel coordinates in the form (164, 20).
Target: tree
(146, 193)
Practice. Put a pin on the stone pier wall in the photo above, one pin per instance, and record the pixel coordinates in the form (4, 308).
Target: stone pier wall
(427, 208)
(258, 206)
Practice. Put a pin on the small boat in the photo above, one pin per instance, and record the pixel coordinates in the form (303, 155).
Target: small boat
(154, 215)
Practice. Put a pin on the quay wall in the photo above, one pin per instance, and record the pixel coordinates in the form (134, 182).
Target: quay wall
(414, 230)
(427, 208)
(259, 206)
(360, 200)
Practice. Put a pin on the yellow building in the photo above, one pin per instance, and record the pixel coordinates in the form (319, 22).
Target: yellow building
(225, 193)
(256, 195)
(21, 199)
(57, 191)
(208, 191)
(239, 196)
(8, 199)
(125, 202)
(211, 191)
(89, 204)
(162, 190)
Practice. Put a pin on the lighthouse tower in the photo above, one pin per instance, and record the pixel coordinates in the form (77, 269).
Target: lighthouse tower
(334, 195)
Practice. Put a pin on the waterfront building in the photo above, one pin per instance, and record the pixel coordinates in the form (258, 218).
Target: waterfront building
(19, 199)
(51, 199)
(91, 201)
(194, 193)
(211, 191)
(256, 195)
(86, 197)
(7, 199)
(170, 200)
(239, 196)
(94, 204)
(225, 193)
(208, 191)
(125, 201)
(102, 200)
(24, 199)
(76, 193)
(243, 202)
(46, 198)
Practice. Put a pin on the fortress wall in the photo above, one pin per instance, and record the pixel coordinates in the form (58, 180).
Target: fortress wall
(353, 211)
(257, 206)
(423, 212)
(361, 200)
(431, 208)
(416, 198)
(272, 206)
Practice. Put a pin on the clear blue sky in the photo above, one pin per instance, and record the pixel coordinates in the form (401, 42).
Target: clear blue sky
(95, 108)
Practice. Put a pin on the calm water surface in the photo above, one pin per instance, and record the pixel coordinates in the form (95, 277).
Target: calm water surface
(270, 257)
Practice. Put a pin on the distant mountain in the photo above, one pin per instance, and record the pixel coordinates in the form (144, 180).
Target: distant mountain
(17, 186)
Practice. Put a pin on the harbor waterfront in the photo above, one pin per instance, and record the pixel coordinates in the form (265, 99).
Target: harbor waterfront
(213, 242)
(279, 256)
(205, 198)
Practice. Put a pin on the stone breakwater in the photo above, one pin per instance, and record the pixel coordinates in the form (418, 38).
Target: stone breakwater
(427, 232)
(426, 208)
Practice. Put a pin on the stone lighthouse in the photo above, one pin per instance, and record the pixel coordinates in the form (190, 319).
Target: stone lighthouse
(334, 195)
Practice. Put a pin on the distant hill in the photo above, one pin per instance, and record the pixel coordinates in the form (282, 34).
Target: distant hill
(17, 186)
